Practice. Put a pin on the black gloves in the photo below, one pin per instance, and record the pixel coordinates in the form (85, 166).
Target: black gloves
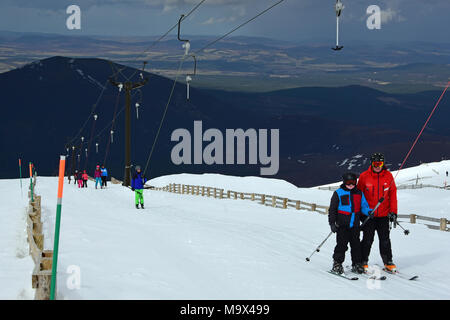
(334, 227)
(392, 217)
(132, 189)
(370, 214)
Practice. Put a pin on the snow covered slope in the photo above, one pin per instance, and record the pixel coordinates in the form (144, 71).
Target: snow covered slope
(193, 247)
(16, 264)
(190, 247)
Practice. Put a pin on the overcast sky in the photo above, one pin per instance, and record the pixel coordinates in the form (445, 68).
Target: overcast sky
(296, 20)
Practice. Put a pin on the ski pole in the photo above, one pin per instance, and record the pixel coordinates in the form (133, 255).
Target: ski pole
(405, 231)
(320, 245)
(373, 211)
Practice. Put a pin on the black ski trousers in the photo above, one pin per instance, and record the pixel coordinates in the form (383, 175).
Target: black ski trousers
(345, 235)
(103, 181)
(381, 226)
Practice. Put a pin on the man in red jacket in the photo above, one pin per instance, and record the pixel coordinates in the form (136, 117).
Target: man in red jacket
(376, 183)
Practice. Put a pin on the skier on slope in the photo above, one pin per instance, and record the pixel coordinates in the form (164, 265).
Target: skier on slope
(137, 185)
(377, 182)
(104, 176)
(85, 178)
(98, 176)
(346, 206)
(79, 179)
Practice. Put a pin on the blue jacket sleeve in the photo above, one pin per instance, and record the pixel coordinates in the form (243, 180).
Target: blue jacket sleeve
(364, 205)
(132, 183)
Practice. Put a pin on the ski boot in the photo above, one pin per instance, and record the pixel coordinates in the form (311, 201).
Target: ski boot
(390, 266)
(137, 206)
(358, 268)
(337, 268)
(365, 265)
(142, 205)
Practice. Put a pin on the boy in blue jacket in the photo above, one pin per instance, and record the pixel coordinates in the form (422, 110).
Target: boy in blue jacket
(137, 185)
(346, 206)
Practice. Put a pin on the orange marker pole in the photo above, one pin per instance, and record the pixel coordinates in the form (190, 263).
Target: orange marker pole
(31, 183)
(62, 165)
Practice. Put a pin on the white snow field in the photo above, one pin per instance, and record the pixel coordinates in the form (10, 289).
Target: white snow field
(193, 247)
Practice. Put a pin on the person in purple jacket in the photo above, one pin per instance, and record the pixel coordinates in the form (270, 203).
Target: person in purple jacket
(98, 176)
(137, 185)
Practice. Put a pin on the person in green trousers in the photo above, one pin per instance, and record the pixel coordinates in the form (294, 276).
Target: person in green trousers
(137, 185)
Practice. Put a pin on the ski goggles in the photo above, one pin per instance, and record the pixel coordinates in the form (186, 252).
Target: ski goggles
(377, 164)
(350, 182)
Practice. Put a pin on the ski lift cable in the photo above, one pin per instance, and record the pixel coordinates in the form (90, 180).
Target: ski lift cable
(110, 125)
(410, 150)
(112, 121)
(90, 140)
(92, 112)
(112, 128)
(120, 70)
(238, 27)
(96, 103)
(143, 54)
(423, 128)
(174, 26)
(165, 112)
(179, 69)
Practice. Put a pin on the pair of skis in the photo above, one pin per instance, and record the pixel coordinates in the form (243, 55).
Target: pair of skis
(399, 274)
(373, 276)
(348, 275)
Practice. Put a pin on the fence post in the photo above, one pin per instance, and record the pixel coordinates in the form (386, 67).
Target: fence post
(297, 204)
(274, 201)
(412, 218)
(313, 207)
(443, 226)
(221, 193)
(285, 200)
(214, 192)
(242, 196)
(228, 194)
(235, 195)
(263, 199)
(253, 197)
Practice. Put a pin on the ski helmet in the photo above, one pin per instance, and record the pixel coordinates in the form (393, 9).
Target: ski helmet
(377, 157)
(349, 176)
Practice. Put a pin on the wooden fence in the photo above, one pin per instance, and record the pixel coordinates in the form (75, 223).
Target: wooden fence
(42, 273)
(279, 202)
(442, 223)
(264, 199)
(399, 187)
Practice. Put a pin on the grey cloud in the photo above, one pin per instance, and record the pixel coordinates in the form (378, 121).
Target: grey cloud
(60, 4)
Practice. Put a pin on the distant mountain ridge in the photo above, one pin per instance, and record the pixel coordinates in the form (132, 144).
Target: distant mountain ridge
(46, 103)
(270, 64)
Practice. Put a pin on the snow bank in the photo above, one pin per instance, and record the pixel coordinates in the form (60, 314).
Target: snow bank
(16, 265)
